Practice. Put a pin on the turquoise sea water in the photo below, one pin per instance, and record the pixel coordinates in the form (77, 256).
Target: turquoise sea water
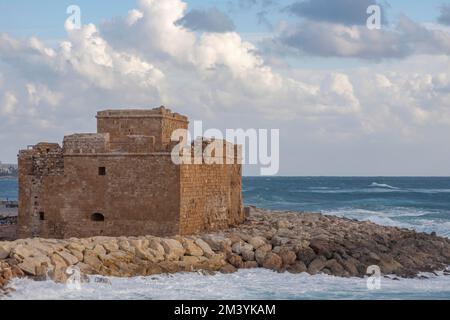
(422, 204)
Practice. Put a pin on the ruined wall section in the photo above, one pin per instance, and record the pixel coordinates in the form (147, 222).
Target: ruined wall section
(87, 143)
(36, 165)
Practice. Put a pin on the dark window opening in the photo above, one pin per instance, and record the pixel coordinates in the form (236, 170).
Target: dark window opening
(97, 217)
(41, 216)
(102, 171)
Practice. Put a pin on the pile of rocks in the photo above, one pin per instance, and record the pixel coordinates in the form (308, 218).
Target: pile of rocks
(312, 242)
(7, 221)
(281, 241)
(121, 257)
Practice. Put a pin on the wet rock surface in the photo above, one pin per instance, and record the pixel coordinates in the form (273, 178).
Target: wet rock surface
(280, 241)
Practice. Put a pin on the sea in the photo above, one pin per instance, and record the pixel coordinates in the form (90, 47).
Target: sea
(418, 203)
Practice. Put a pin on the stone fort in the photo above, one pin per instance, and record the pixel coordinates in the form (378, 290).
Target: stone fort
(121, 181)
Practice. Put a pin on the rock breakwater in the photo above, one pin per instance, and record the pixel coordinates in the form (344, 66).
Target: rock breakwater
(281, 241)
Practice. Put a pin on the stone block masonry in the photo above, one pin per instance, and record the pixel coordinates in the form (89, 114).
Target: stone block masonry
(121, 181)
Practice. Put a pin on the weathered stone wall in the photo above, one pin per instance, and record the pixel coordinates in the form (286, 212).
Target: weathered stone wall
(86, 143)
(138, 195)
(44, 161)
(211, 195)
(156, 123)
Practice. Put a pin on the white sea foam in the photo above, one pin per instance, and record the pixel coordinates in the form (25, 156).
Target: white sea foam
(409, 218)
(382, 185)
(245, 284)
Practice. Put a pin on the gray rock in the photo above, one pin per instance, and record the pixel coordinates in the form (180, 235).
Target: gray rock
(297, 267)
(317, 265)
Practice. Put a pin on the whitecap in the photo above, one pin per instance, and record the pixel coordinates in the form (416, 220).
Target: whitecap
(382, 185)
(408, 218)
(244, 284)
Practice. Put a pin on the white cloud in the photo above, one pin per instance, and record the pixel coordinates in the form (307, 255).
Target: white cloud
(8, 104)
(38, 94)
(146, 59)
(133, 16)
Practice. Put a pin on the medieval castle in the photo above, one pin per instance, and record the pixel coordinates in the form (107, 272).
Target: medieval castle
(121, 181)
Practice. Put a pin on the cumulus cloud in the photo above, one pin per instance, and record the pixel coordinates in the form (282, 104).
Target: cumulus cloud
(146, 59)
(209, 20)
(347, 12)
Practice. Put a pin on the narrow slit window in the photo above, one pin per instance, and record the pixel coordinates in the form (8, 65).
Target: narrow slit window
(42, 216)
(102, 171)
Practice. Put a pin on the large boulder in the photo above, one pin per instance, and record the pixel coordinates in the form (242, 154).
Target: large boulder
(257, 241)
(190, 263)
(22, 251)
(317, 265)
(335, 267)
(191, 248)
(173, 249)
(306, 254)
(216, 261)
(91, 258)
(228, 268)
(144, 254)
(111, 246)
(4, 251)
(156, 249)
(35, 265)
(205, 247)
(218, 242)
(350, 265)
(272, 261)
(69, 258)
(297, 267)
(248, 255)
(236, 261)
(260, 253)
(124, 245)
(58, 262)
(321, 247)
(241, 246)
(74, 245)
(287, 256)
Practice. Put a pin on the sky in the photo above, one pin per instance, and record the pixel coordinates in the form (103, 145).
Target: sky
(347, 100)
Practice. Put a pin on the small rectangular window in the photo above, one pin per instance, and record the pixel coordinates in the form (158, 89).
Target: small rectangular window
(41, 216)
(102, 171)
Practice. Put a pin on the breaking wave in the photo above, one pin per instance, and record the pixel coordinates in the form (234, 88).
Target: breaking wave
(382, 185)
(244, 284)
